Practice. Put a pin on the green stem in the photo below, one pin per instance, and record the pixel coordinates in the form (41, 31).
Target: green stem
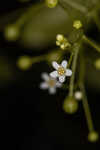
(47, 56)
(70, 60)
(67, 87)
(86, 108)
(72, 5)
(92, 43)
(28, 14)
(84, 99)
(38, 58)
(65, 7)
(71, 86)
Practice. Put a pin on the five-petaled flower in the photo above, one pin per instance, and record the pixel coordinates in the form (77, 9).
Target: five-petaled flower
(49, 83)
(61, 71)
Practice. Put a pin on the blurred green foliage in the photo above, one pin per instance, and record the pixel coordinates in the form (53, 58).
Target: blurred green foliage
(39, 26)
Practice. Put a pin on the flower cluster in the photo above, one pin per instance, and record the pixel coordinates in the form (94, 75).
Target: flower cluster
(75, 40)
(55, 78)
(49, 83)
(62, 42)
(61, 71)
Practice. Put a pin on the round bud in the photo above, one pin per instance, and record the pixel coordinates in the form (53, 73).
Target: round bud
(24, 62)
(11, 32)
(51, 3)
(93, 136)
(62, 46)
(70, 105)
(97, 64)
(58, 43)
(78, 95)
(77, 24)
(60, 37)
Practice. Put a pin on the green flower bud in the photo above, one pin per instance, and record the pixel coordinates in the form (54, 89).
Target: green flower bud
(11, 32)
(77, 24)
(62, 42)
(97, 64)
(24, 62)
(51, 3)
(93, 136)
(60, 37)
(70, 105)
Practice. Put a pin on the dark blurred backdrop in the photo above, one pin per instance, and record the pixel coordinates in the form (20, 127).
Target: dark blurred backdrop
(31, 118)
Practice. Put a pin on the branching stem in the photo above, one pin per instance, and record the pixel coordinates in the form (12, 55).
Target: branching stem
(84, 97)
(86, 108)
(74, 63)
(92, 43)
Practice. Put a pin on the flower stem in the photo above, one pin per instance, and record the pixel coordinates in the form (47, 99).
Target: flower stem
(70, 60)
(48, 57)
(71, 86)
(38, 59)
(84, 99)
(92, 43)
(72, 5)
(28, 14)
(86, 109)
(65, 7)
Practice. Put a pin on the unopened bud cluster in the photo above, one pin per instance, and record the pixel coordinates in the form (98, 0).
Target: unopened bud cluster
(62, 42)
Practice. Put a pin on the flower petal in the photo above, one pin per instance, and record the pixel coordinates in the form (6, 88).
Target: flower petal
(68, 72)
(45, 76)
(44, 85)
(64, 63)
(54, 74)
(62, 79)
(57, 43)
(55, 65)
(58, 84)
(52, 90)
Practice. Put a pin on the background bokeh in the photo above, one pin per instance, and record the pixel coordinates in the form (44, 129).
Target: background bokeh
(31, 118)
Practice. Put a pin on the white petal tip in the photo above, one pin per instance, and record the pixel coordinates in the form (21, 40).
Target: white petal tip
(43, 86)
(52, 91)
(64, 63)
(55, 65)
(45, 76)
(61, 79)
(68, 72)
(53, 74)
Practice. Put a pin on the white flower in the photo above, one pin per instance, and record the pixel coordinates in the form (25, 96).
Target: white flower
(49, 83)
(61, 71)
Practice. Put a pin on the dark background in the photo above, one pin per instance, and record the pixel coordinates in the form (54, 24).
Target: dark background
(31, 118)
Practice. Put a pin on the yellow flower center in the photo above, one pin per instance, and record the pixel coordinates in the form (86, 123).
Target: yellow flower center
(61, 71)
(51, 83)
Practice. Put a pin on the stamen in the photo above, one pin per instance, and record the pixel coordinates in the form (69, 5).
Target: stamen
(51, 83)
(61, 71)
